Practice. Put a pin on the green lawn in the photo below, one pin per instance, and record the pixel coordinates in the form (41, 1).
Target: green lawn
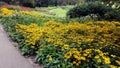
(59, 11)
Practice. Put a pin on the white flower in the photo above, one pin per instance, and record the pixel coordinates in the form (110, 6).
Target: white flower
(102, 3)
(107, 4)
(113, 6)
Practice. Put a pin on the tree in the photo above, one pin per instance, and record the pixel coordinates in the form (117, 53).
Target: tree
(28, 3)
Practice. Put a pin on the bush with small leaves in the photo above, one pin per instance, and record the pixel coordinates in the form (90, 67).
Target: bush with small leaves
(102, 11)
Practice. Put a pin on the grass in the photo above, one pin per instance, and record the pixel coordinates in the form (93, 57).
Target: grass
(59, 11)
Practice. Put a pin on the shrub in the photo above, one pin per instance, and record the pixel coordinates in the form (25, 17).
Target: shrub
(112, 15)
(91, 9)
(2, 3)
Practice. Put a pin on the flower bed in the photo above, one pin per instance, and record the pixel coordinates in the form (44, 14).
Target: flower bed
(79, 45)
(65, 45)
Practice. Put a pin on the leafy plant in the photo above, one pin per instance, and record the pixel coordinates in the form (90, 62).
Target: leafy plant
(92, 9)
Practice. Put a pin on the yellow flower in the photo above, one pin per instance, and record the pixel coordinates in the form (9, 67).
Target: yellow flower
(32, 47)
(74, 62)
(83, 58)
(106, 60)
(99, 60)
(118, 62)
(96, 57)
(66, 46)
(84, 54)
(50, 58)
(112, 66)
(68, 55)
(113, 56)
(77, 64)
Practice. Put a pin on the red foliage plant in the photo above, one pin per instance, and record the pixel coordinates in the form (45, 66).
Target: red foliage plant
(14, 6)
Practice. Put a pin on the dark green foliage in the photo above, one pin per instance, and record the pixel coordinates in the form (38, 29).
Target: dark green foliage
(112, 50)
(112, 15)
(2, 3)
(110, 0)
(92, 9)
(42, 3)
(56, 53)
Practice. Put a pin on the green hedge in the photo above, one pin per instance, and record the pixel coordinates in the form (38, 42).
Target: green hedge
(92, 9)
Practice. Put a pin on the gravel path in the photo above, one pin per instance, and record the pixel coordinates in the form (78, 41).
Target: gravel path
(10, 57)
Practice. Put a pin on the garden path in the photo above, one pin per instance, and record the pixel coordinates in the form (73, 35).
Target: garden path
(9, 55)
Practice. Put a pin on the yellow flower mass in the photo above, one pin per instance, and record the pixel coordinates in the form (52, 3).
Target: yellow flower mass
(6, 12)
(73, 36)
